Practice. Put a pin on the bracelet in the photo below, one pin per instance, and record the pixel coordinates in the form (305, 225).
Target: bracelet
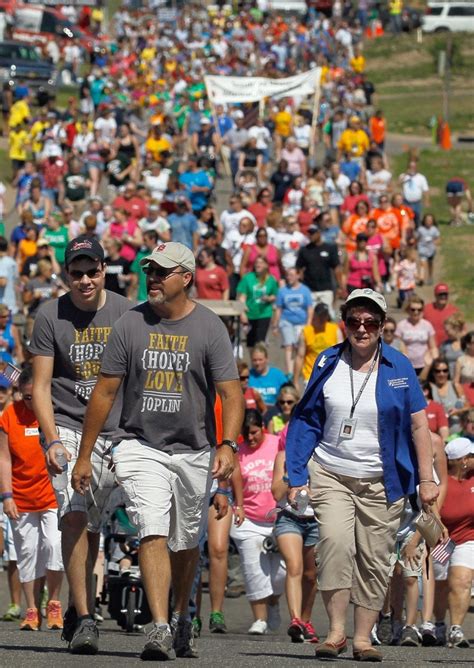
(55, 442)
(238, 507)
(6, 495)
(225, 492)
(430, 481)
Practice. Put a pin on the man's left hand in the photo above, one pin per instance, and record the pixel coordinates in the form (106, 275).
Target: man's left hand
(223, 462)
(429, 492)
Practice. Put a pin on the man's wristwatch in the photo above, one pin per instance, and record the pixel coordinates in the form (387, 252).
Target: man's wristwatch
(231, 444)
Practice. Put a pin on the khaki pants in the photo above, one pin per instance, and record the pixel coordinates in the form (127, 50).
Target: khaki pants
(357, 534)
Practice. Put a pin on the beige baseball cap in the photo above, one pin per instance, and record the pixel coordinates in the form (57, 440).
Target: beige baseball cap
(372, 295)
(170, 255)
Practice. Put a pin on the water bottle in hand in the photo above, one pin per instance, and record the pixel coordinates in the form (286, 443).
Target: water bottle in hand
(59, 481)
(301, 501)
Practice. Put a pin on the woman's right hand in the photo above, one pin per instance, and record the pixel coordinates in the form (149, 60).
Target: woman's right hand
(239, 515)
(10, 509)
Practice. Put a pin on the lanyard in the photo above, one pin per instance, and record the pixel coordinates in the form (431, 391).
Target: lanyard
(366, 379)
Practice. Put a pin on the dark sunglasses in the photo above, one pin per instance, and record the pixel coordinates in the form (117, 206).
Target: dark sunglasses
(389, 330)
(415, 310)
(290, 402)
(77, 275)
(441, 370)
(244, 377)
(159, 272)
(370, 326)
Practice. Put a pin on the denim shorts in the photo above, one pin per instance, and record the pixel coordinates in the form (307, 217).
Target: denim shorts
(307, 528)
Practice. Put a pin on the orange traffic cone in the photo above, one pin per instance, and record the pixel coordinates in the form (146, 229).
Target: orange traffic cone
(445, 137)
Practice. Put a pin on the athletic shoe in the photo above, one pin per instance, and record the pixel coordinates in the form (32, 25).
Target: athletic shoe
(384, 629)
(159, 645)
(183, 641)
(31, 621)
(98, 617)
(12, 614)
(411, 637)
(456, 637)
(274, 617)
(197, 626)
(440, 630)
(258, 628)
(69, 624)
(310, 634)
(397, 632)
(54, 615)
(374, 639)
(296, 630)
(86, 638)
(428, 634)
(217, 623)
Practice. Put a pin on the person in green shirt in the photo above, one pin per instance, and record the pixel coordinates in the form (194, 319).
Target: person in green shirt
(56, 234)
(150, 240)
(257, 290)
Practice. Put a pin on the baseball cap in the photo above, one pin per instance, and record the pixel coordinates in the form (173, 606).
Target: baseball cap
(321, 309)
(205, 120)
(371, 295)
(42, 242)
(238, 114)
(170, 255)
(354, 119)
(458, 447)
(84, 246)
(440, 288)
(314, 228)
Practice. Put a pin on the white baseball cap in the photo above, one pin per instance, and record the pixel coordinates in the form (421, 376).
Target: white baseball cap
(459, 447)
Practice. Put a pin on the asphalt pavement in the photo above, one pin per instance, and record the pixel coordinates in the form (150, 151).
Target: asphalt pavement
(44, 649)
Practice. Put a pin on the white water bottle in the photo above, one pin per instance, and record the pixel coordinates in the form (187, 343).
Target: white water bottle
(301, 501)
(59, 481)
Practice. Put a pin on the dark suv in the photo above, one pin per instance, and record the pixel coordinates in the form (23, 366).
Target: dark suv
(20, 64)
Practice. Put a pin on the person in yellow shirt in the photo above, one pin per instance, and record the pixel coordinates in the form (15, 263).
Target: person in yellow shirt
(395, 8)
(19, 141)
(314, 338)
(354, 140)
(283, 126)
(357, 62)
(19, 112)
(156, 143)
(37, 132)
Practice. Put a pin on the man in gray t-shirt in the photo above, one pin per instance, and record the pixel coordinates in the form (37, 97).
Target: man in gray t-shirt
(68, 342)
(169, 356)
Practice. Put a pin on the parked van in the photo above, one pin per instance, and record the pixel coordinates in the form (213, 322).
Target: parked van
(456, 16)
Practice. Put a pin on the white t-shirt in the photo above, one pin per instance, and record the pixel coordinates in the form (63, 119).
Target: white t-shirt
(160, 225)
(289, 243)
(235, 243)
(377, 183)
(337, 189)
(106, 127)
(302, 135)
(262, 135)
(230, 219)
(358, 457)
(157, 185)
(413, 187)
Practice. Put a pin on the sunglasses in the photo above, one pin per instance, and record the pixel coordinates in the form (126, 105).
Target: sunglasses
(415, 310)
(289, 402)
(443, 294)
(441, 370)
(77, 275)
(370, 326)
(27, 397)
(159, 272)
(244, 377)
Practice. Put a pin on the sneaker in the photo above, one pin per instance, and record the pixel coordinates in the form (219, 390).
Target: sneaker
(217, 623)
(384, 629)
(274, 617)
(12, 614)
(397, 628)
(410, 637)
(456, 637)
(54, 615)
(258, 628)
(86, 638)
(428, 634)
(98, 616)
(197, 626)
(310, 634)
(296, 630)
(159, 644)
(31, 621)
(69, 624)
(374, 639)
(440, 631)
(184, 640)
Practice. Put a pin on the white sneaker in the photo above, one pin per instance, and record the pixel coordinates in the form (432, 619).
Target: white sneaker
(374, 639)
(274, 618)
(456, 637)
(258, 628)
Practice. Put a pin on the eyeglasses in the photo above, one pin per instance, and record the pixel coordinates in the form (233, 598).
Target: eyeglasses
(370, 326)
(27, 397)
(441, 370)
(77, 275)
(389, 330)
(415, 310)
(159, 272)
(244, 377)
(290, 402)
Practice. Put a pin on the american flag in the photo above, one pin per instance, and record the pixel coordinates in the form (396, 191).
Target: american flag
(443, 551)
(11, 373)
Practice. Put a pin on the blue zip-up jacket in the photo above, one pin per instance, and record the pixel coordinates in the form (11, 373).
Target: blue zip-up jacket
(398, 395)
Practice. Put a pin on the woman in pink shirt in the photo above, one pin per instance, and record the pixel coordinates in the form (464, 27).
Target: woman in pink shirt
(295, 158)
(261, 249)
(262, 567)
(127, 231)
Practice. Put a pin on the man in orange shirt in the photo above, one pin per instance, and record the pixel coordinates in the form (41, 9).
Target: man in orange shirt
(29, 502)
(377, 128)
(388, 221)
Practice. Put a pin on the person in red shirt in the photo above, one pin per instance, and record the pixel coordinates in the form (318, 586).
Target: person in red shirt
(438, 311)
(457, 514)
(211, 280)
(30, 504)
(262, 207)
(436, 414)
(252, 397)
(134, 206)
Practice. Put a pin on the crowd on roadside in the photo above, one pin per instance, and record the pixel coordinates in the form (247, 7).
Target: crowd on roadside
(315, 213)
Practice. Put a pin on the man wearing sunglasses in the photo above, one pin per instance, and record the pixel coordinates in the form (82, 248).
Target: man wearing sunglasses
(68, 341)
(168, 356)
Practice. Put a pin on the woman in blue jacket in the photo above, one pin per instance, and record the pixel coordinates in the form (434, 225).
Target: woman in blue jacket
(362, 427)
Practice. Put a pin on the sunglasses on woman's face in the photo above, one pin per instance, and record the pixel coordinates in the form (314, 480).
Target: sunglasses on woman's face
(389, 330)
(288, 402)
(370, 326)
(441, 370)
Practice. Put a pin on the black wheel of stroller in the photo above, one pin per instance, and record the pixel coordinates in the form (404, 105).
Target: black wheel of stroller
(130, 614)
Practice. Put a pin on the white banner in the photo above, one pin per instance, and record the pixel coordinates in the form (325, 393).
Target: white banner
(221, 89)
